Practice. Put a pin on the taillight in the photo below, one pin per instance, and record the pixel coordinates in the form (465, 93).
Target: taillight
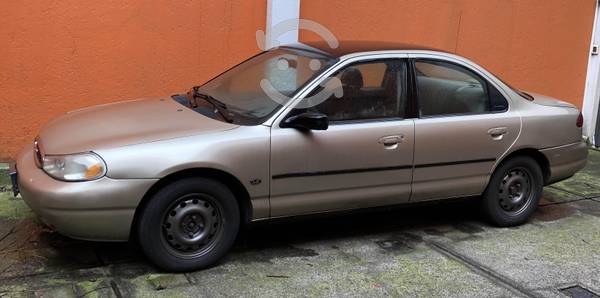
(579, 122)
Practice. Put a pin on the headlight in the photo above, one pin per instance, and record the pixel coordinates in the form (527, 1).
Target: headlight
(74, 167)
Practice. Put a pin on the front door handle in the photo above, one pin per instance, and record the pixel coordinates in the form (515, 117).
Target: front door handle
(497, 133)
(391, 142)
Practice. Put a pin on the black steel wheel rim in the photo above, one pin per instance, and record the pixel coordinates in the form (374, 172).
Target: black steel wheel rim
(192, 225)
(516, 191)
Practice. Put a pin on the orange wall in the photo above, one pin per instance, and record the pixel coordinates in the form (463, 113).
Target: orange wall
(57, 56)
(536, 45)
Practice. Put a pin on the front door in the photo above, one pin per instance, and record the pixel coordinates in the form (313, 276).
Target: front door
(363, 159)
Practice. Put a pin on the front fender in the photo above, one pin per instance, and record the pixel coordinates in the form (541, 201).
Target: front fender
(242, 152)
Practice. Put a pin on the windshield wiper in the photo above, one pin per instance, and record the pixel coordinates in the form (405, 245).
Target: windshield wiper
(219, 106)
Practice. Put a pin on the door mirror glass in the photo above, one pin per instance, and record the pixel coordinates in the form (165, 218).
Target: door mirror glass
(307, 121)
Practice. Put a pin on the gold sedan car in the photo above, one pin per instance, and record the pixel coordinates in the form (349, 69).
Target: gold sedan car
(297, 130)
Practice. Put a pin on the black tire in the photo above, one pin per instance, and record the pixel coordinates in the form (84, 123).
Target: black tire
(189, 224)
(513, 192)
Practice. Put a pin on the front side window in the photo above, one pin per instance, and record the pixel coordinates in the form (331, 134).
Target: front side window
(371, 90)
(448, 89)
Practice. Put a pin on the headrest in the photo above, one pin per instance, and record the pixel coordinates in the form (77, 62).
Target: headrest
(351, 77)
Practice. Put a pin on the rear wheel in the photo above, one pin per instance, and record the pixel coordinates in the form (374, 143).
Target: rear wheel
(513, 192)
(189, 224)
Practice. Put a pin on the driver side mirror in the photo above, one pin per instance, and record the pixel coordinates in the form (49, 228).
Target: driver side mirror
(307, 121)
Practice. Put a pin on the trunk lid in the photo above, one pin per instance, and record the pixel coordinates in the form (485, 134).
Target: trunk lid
(549, 101)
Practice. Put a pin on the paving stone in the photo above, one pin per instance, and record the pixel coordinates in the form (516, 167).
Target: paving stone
(155, 285)
(552, 212)
(46, 260)
(31, 249)
(5, 182)
(94, 288)
(61, 288)
(117, 252)
(551, 293)
(587, 181)
(590, 207)
(12, 208)
(50, 288)
(566, 250)
(166, 281)
(131, 270)
(553, 195)
(63, 291)
(79, 281)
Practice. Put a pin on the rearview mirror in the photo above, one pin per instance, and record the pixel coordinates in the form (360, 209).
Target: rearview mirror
(307, 121)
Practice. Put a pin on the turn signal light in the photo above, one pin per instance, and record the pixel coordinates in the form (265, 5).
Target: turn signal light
(93, 171)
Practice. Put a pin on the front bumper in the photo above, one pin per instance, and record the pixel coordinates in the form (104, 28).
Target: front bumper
(565, 160)
(99, 210)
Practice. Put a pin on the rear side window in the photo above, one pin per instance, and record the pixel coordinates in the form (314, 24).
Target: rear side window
(448, 89)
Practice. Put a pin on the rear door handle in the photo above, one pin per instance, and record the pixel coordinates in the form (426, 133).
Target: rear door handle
(497, 133)
(391, 142)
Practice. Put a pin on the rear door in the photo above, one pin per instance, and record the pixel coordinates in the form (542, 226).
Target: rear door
(465, 124)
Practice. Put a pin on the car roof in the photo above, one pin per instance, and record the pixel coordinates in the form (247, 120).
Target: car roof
(357, 46)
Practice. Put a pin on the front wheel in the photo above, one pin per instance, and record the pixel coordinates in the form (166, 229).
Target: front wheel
(189, 224)
(513, 192)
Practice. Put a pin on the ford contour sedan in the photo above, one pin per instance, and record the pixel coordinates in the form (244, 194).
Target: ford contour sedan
(297, 130)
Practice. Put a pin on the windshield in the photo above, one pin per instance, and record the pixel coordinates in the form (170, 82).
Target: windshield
(286, 70)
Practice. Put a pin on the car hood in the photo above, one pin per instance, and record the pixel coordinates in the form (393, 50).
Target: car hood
(124, 123)
(549, 101)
